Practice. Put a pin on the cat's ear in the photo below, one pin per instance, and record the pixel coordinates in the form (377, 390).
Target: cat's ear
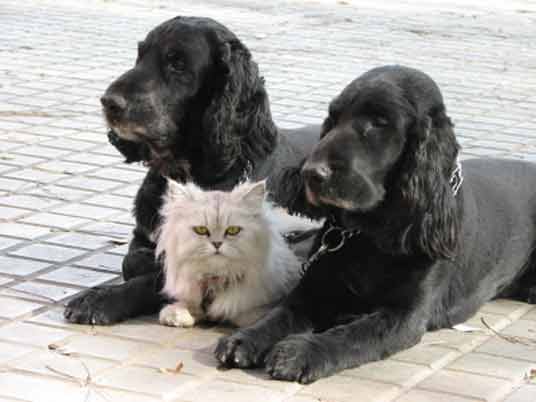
(254, 192)
(181, 192)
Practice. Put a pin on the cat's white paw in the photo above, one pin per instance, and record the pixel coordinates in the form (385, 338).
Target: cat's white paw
(175, 315)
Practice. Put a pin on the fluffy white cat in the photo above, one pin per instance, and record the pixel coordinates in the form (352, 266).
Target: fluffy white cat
(224, 256)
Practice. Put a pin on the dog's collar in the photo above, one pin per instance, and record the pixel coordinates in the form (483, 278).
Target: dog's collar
(456, 177)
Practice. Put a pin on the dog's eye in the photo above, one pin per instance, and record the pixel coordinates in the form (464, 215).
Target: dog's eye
(201, 230)
(174, 62)
(380, 121)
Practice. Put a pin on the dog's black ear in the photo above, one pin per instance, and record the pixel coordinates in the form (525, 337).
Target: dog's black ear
(334, 111)
(424, 185)
(238, 121)
(287, 189)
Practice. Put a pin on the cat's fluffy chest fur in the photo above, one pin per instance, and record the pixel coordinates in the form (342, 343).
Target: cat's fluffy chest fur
(224, 256)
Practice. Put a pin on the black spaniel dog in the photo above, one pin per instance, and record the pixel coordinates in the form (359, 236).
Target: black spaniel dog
(192, 108)
(411, 242)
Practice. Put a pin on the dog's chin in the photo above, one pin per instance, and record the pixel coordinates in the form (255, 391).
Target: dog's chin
(351, 205)
(129, 132)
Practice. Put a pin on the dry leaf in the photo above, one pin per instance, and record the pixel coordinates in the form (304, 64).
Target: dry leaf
(62, 350)
(531, 375)
(175, 370)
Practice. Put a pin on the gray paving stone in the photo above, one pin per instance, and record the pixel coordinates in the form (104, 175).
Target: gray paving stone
(42, 362)
(20, 266)
(54, 154)
(108, 200)
(54, 220)
(9, 213)
(431, 355)
(128, 191)
(467, 385)
(36, 175)
(28, 201)
(345, 389)
(78, 276)
(102, 347)
(6, 242)
(42, 152)
(59, 193)
(113, 230)
(79, 240)
(85, 211)
(489, 365)
(390, 371)
(93, 158)
(12, 308)
(106, 262)
(12, 185)
(513, 350)
(26, 388)
(91, 184)
(64, 167)
(68, 144)
(9, 352)
(30, 334)
(525, 393)
(125, 218)
(124, 175)
(39, 291)
(420, 395)
(148, 381)
(197, 364)
(530, 315)
(48, 252)
(522, 328)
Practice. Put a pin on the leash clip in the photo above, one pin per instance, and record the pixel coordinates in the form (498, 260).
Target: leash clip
(333, 239)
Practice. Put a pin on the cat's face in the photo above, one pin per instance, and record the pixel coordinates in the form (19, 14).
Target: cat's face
(213, 224)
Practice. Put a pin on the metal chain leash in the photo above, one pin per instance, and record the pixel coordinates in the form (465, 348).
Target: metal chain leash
(332, 240)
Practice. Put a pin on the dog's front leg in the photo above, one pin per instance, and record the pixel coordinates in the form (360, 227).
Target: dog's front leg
(248, 346)
(308, 357)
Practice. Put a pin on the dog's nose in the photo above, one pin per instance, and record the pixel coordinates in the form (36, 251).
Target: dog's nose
(114, 105)
(316, 172)
(217, 244)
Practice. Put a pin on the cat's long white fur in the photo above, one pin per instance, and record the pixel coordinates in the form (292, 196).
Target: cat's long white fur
(259, 271)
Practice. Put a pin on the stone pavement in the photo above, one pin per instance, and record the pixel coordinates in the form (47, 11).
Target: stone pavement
(65, 196)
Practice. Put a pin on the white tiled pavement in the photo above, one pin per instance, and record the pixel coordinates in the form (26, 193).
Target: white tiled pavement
(65, 196)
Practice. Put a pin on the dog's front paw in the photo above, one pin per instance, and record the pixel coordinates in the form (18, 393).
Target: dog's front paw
(175, 315)
(298, 358)
(97, 306)
(240, 350)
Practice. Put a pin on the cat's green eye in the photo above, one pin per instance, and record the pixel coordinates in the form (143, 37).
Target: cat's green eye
(201, 230)
(233, 230)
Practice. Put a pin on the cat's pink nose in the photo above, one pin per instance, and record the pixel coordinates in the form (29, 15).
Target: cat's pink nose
(217, 244)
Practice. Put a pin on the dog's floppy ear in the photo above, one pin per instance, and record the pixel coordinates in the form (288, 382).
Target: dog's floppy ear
(334, 111)
(424, 185)
(238, 121)
(288, 191)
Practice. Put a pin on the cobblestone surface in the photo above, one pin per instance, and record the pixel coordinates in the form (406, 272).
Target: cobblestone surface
(65, 195)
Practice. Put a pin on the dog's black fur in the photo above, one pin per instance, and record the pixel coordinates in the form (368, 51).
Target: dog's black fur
(425, 258)
(193, 108)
